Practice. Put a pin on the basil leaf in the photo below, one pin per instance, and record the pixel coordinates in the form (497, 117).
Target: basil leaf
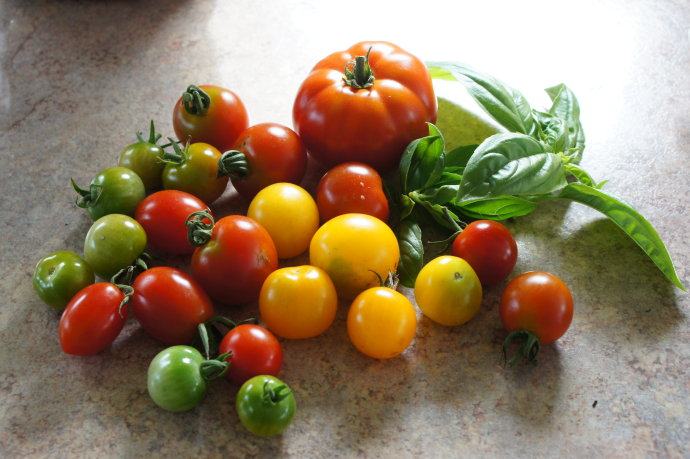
(440, 213)
(630, 221)
(511, 164)
(580, 175)
(551, 131)
(406, 206)
(411, 252)
(422, 162)
(566, 107)
(506, 105)
(496, 208)
(457, 158)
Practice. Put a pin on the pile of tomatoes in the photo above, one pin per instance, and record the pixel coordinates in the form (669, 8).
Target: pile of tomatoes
(355, 113)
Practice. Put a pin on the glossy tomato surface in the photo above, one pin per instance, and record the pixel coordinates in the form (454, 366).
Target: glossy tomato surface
(351, 188)
(219, 124)
(174, 379)
(196, 172)
(255, 351)
(163, 215)
(92, 319)
(538, 302)
(144, 158)
(113, 243)
(233, 264)
(115, 190)
(169, 304)
(489, 248)
(340, 122)
(265, 405)
(59, 276)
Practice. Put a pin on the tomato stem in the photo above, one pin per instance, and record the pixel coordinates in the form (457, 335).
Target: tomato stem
(358, 73)
(215, 368)
(233, 163)
(195, 100)
(199, 226)
(86, 198)
(178, 156)
(275, 394)
(527, 351)
(153, 137)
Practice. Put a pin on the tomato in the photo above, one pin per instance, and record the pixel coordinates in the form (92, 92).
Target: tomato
(381, 323)
(163, 216)
(537, 307)
(169, 304)
(265, 405)
(177, 377)
(59, 276)
(115, 190)
(448, 291)
(356, 251)
(298, 302)
(209, 114)
(264, 154)
(233, 258)
(113, 243)
(489, 248)
(254, 351)
(351, 188)
(364, 104)
(290, 216)
(194, 169)
(92, 319)
(144, 158)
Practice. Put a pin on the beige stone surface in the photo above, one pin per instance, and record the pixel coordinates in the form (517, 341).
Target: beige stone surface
(79, 78)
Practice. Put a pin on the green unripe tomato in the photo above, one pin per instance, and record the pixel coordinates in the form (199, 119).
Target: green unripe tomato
(175, 382)
(59, 276)
(113, 243)
(144, 159)
(115, 190)
(265, 405)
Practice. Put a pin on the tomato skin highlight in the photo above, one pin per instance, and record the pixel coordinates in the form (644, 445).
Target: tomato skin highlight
(538, 302)
(255, 351)
(197, 174)
(261, 417)
(92, 319)
(121, 189)
(174, 379)
(163, 215)
(144, 159)
(220, 126)
(274, 154)
(59, 276)
(351, 188)
(338, 122)
(489, 248)
(113, 242)
(169, 304)
(233, 264)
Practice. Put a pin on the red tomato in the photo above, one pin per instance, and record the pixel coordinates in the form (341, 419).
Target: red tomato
(353, 109)
(489, 248)
(264, 154)
(537, 302)
(163, 215)
(351, 188)
(255, 351)
(169, 304)
(233, 261)
(92, 319)
(209, 114)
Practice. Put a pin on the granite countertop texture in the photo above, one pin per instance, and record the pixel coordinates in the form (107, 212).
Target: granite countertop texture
(77, 79)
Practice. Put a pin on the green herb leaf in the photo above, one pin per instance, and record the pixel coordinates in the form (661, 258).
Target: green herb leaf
(506, 105)
(511, 164)
(566, 107)
(411, 252)
(496, 208)
(440, 213)
(422, 161)
(457, 158)
(551, 131)
(580, 175)
(630, 221)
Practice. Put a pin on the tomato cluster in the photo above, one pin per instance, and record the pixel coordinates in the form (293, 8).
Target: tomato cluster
(234, 259)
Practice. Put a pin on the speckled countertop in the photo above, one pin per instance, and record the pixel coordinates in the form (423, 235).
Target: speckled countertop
(79, 78)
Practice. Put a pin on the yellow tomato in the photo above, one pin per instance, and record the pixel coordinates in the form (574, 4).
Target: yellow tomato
(381, 322)
(298, 302)
(355, 249)
(448, 291)
(289, 214)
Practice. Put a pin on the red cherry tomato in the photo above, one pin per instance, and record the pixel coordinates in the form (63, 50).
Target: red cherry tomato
(255, 351)
(351, 188)
(489, 248)
(163, 215)
(92, 319)
(264, 154)
(209, 114)
(169, 304)
(233, 261)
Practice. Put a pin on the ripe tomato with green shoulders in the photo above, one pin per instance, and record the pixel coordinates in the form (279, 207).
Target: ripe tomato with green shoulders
(194, 169)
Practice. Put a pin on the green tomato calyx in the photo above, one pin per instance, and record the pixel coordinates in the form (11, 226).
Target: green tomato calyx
(273, 395)
(233, 163)
(87, 198)
(153, 137)
(358, 73)
(178, 156)
(215, 368)
(199, 226)
(195, 100)
(527, 351)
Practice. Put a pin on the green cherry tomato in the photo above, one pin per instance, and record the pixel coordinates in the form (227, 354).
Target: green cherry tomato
(59, 276)
(194, 169)
(115, 190)
(265, 405)
(113, 243)
(144, 158)
(175, 382)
